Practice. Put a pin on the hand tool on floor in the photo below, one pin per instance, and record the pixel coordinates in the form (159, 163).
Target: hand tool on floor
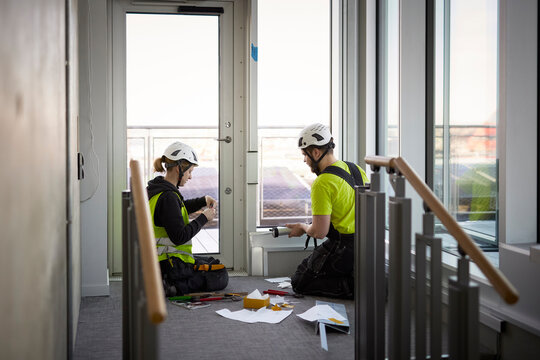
(232, 297)
(276, 292)
(180, 298)
(282, 293)
(211, 293)
(207, 297)
(210, 298)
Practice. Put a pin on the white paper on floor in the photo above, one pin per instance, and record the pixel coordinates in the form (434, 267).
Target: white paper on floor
(284, 285)
(262, 315)
(278, 280)
(277, 300)
(321, 312)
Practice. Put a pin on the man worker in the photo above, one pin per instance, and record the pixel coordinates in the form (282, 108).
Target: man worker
(328, 271)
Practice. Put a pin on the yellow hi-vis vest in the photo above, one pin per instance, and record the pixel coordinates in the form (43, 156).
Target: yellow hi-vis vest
(165, 247)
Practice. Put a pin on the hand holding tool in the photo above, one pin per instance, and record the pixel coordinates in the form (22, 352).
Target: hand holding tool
(280, 230)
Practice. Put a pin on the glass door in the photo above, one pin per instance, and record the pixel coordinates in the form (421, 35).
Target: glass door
(177, 88)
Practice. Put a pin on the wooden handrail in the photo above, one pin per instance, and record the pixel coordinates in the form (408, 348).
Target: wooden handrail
(155, 296)
(501, 284)
(380, 161)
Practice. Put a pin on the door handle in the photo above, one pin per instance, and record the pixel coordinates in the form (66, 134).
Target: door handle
(227, 139)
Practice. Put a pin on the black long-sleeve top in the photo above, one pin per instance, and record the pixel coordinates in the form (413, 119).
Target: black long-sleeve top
(168, 211)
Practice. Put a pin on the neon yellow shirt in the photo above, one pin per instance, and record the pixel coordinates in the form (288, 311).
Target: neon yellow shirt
(331, 195)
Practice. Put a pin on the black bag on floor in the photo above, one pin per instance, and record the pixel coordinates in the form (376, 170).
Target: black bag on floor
(214, 273)
(179, 278)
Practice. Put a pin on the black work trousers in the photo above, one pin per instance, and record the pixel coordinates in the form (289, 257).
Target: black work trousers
(328, 271)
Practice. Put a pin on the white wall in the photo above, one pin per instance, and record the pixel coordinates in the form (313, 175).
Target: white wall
(94, 130)
(73, 193)
(33, 271)
(517, 145)
(517, 136)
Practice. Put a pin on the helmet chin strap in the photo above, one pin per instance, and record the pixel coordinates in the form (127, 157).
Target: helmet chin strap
(181, 173)
(315, 163)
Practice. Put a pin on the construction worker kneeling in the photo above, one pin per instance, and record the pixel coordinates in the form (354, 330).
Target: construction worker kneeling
(182, 272)
(328, 271)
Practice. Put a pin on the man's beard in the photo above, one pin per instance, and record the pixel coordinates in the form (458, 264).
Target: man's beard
(315, 169)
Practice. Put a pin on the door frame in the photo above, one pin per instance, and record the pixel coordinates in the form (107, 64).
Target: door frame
(232, 108)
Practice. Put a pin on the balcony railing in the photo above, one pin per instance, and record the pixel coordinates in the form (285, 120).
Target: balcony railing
(370, 272)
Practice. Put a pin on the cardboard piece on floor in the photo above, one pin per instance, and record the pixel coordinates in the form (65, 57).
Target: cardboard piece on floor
(321, 311)
(255, 300)
(327, 315)
(341, 323)
(324, 342)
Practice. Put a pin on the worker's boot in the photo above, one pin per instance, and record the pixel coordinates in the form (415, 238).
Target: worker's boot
(170, 290)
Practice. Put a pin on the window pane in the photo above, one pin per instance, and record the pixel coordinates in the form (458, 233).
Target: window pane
(164, 54)
(389, 79)
(294, 78)
(294, 62)
(466, 115)
(285, 179)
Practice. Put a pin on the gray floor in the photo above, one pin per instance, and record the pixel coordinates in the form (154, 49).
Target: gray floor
(203, 334)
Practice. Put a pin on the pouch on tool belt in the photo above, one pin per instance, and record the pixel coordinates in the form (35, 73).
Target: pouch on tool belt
(215, 273)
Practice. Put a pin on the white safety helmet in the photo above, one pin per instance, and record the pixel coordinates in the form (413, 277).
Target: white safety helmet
(178, 151)
(315, 134)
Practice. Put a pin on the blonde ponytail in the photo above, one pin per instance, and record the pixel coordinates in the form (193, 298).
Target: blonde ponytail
(157, 165)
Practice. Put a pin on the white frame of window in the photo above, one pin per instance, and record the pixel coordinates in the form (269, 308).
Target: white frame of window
(338, 42)
(358, 79)
(516, 145)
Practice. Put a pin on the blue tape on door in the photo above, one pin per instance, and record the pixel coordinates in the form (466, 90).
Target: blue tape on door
(254, 52)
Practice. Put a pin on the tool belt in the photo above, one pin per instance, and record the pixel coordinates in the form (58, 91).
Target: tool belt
(208, 267)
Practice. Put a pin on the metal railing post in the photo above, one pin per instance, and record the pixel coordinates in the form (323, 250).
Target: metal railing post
(421, 310)
(369, 271)
(126, 291)
(420, 295)
(436, 297)
(463, 334)
(380, 270)
(364, 298)
(399, 277)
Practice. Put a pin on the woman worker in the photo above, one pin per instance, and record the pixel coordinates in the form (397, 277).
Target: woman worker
(182, 272)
